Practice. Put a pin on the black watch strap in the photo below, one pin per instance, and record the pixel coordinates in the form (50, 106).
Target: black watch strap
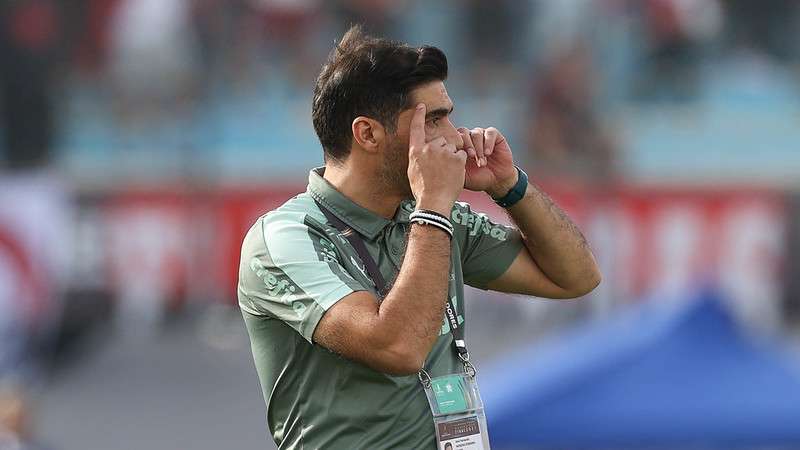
(516, 193)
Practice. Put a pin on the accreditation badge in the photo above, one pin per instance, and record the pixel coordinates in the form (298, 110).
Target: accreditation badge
(457, 412)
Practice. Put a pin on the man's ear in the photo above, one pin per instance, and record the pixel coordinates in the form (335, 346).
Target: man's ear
(368, 133)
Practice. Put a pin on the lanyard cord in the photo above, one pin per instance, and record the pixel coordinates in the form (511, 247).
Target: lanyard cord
(355, 240)
(371, 267)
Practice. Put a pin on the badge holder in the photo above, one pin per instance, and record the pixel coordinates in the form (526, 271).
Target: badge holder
(457, 409)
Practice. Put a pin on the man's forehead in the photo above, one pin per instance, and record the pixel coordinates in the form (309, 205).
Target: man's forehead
(434, 95)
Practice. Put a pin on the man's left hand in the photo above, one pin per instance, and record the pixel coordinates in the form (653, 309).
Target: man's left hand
(490, 166)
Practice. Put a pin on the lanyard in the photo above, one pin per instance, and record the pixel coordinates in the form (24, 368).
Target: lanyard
(371, 267)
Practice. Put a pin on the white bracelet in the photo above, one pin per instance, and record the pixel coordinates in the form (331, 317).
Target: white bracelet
(432, 216)
(439, 225)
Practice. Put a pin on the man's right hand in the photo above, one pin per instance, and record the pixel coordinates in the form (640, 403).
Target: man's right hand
(436, 169)
(396, 335)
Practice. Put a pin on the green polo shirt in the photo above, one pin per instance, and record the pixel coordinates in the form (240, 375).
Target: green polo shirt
(295, 266)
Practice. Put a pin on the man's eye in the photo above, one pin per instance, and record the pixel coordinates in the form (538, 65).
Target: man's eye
(435, 122)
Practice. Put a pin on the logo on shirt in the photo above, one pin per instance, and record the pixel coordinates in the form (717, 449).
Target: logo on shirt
(327, 252)
(360, 267)
(279, 286)
(478, 223)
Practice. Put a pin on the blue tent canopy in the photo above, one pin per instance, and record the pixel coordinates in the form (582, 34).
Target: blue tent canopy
(658, 377)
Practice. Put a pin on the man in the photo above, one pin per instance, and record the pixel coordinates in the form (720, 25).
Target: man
(337, 353)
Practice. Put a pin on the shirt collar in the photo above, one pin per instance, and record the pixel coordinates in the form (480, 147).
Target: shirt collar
(364, 221)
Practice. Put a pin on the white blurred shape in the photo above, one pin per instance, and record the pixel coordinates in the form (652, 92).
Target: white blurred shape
(753, 239)
(612, 234)
(676, 241)
(147, 247)
(152, 46)
(701, 19)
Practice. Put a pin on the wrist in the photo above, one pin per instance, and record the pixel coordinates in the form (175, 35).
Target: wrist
(502, 188)
(516, 193)
(441, 207)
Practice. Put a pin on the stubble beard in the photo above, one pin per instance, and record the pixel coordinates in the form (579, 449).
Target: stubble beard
(394, 171)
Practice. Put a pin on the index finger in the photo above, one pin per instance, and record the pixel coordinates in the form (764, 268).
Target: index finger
(490, 139)
(417, 135)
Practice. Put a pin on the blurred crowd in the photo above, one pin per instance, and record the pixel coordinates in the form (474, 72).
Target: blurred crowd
(97, 96)
(191, 78)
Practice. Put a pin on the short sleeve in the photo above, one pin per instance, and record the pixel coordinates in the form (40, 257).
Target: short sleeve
(290, 272)
(487, 248)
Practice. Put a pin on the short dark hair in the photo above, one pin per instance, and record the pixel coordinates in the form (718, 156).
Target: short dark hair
(368, 76)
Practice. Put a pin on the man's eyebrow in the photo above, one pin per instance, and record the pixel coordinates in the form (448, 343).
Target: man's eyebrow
(439, 112)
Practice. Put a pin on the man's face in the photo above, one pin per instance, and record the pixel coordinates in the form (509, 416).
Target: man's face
(394, 170)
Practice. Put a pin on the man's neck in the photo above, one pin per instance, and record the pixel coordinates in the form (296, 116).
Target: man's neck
(363, 190)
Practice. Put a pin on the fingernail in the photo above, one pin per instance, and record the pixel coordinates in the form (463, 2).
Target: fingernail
(420, 106)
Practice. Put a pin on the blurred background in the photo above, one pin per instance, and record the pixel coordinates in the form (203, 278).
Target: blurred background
(139, 139)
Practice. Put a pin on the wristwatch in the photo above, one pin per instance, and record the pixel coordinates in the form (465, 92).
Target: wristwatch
(516, 193)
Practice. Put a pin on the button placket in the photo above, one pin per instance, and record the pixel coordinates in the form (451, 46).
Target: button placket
(394, 243)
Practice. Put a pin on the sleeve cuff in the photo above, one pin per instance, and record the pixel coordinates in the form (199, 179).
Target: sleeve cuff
(320, 307)
(494, 271)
